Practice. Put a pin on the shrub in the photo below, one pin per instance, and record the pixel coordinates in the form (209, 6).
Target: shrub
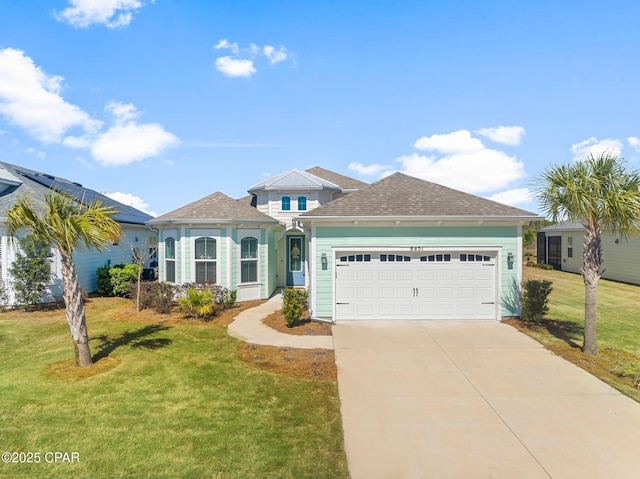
(116, 280)
(104, 280)
(198, 302)
(629, 370)
(122, 276)
(294, 304)
(535, 300)
(154, 295)
(539, 265)
(31, 271)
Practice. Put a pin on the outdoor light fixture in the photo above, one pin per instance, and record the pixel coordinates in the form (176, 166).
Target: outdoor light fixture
(323, 260)
(509, 257)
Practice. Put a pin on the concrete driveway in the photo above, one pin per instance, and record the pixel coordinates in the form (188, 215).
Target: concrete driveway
(475, 399)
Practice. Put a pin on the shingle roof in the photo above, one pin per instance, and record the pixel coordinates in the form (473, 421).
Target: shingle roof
(563, 225)
(216, 207)
(294, 179)
(344, 182)
(31, 183)
(400, 195)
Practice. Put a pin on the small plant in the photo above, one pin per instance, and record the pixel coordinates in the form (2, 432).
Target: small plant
(628, 370)
(294, 304)
(198, 303)
(539, 265)
(31, 271)
(154, 295)
(535, 300)
(115, 280)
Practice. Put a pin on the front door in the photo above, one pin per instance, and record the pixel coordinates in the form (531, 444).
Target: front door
(554, 251)
(295, 260)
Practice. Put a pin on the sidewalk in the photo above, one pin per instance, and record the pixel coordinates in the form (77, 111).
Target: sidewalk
(248, 327)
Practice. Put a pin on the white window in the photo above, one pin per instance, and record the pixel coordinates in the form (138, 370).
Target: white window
(249, 260)
(205, 260)
(170, 259)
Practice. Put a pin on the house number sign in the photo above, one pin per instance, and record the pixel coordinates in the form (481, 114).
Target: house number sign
(416, 248)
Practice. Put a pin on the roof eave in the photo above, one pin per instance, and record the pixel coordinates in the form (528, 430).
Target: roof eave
(182, 221)
(448, 218)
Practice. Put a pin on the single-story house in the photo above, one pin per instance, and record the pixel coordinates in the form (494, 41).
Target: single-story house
(17, 182)
(561, 246)
(399, 248)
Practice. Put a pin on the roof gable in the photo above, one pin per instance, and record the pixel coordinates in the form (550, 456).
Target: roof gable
(400, 195)
(294, 179)
(214, 208)
(344, 182)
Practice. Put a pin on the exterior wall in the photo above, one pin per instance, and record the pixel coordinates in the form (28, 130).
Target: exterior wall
(621, 260)
(325, 238)
(270, 203)
(86, 261)
(228, 243)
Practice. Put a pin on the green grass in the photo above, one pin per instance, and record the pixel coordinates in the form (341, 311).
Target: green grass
(179, 404)
(618, 308)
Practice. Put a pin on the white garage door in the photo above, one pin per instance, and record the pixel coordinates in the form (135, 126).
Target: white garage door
(424, 285)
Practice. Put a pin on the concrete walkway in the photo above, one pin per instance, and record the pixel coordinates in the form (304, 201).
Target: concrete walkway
(248, 327)
(475, 399)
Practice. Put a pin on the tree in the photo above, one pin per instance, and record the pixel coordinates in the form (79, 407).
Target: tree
(140, 255)
(600, 193)
(31, 270)
(67, 224)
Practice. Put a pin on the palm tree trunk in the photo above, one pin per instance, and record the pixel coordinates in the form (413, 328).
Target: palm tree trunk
(592, 261)
(74, 307)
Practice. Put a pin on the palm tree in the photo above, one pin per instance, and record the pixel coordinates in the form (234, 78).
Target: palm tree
(599, 192)
(67, 224)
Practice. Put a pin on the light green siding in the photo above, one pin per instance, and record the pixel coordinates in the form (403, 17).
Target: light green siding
(621, 260)
(331, 237)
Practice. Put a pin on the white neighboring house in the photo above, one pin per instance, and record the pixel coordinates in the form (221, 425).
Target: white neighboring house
(561, 246)
(17, 182)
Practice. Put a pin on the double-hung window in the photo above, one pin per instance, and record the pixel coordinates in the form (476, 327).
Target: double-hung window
(302, 203)
(205, 259)
(170, 260)
(248, 260)
(286, 203)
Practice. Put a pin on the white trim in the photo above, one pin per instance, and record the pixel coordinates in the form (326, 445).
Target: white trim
(248, 233)
(204, 233)
(518, 259)
(229, 244)
(312, 270)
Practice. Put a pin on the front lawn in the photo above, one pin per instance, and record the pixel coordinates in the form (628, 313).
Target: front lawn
(618, 326)
(178, 402)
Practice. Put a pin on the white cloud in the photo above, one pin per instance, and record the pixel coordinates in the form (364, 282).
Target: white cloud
(32, 151)
(132, 200)
(225, 44)
(634, 142)
(242, 61)
(593, 146)
(450, 143)
(370, 170)
(508, 135)
(514, 197)
(233, 67)
(30, 99)
(127, 141)
(475, 172)
(275, 56)
(111, 13)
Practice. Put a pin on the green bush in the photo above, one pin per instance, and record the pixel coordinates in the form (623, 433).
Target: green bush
(539, 265)
(116, 280)
(535, 300)
(295, 303)
(198, 303)
(31, 271)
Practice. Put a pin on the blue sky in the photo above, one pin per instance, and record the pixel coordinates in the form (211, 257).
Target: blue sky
(164, 102)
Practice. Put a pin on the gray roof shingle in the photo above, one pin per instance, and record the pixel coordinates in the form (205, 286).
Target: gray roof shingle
(344, 182)
(216, 207)
(294, 179)
(23, 182)
(400, 195)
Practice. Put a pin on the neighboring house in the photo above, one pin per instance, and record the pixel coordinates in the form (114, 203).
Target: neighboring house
(400, 248)
(17, 182)
(561, 246)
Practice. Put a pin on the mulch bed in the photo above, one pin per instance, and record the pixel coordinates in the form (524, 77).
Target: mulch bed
(314, 364)
(302, 327)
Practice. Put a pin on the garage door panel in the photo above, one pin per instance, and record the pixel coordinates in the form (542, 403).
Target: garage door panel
(424, 286)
